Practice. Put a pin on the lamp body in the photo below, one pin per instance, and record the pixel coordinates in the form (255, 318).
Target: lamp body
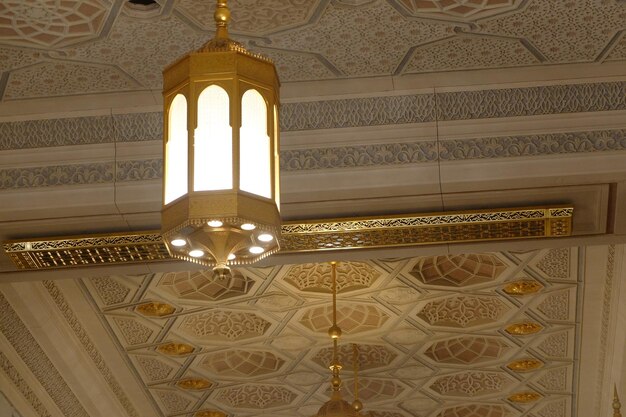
(221, 149)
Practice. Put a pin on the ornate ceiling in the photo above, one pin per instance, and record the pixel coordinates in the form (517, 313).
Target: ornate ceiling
(488, 335)
(53, 48)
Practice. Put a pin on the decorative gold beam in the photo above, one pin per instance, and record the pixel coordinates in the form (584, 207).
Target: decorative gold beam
(426, 229)
(319, 235)
(76, 251)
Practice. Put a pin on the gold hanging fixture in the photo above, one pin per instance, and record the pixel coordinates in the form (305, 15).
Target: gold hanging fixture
(221, 146)
(336, 406)
(356, 404)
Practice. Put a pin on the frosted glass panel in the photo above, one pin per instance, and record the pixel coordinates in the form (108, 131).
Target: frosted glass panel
(254, 151)
(213, 152)
(176, 150)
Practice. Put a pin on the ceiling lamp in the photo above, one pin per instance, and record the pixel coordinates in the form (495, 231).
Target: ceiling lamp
(336, 406)
(221, 141)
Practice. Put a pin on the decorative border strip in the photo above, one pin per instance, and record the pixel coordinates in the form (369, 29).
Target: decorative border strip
(37, 361)
(88, 250)
(300, 160)
(22, 386)
(81, 174)
(88, 345)
(397, 231)
(604, 327)
(533, 145)
(329, 234)
(336, 114)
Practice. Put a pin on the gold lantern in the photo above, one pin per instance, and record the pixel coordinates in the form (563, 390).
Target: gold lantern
(221, 146)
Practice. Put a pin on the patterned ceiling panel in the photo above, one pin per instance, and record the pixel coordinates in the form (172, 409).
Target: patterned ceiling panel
(436, 349)
(47, 23)
(90, 47)
(459, 9)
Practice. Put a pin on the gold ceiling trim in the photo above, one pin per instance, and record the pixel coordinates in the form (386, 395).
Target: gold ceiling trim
(429, 229)
(319, 235)
(87, 250)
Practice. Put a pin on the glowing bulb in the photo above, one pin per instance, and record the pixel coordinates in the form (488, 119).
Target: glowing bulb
(178, 242)
(196, 253)
(248, 226)
(215, 223)
(266, 237)
(232, 257)
(256, 250)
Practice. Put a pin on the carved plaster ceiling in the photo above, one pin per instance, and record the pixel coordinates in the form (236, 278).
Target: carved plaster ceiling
(55, 48)
(441, 336)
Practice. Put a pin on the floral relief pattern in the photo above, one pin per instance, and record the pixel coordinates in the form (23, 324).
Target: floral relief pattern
(369, 356)
(49, 79)
(357, 49)
(224, 325)
(470, 384)
(256, 396)
(463, 311)
(555, 264)
(463, 53)
(563, 30)
(317, 277)
(459, 9)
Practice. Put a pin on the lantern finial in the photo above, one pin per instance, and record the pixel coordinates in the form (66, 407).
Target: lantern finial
(222, 17)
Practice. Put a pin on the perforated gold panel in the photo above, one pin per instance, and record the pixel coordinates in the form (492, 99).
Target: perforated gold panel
(329, 234)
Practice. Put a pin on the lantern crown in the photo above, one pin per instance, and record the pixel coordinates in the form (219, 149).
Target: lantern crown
(221, 148)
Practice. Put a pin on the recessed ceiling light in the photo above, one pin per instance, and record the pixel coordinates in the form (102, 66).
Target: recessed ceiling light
(256, 250)
(266, 237)
(215, 223)
(196, 253)
(248, 226)
(232, 256)
(178, 242)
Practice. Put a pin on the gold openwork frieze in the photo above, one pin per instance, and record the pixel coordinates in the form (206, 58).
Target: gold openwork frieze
(310, 236)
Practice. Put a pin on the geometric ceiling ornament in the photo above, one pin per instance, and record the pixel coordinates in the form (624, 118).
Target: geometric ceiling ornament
(206, 285)
(523, 328)
(316, 277)
(256, 396)
(524, 397)
(175, 349)
(242, 363)
(50, 23)
(525, 365)
(522, 287)
(194, 384)
(463, 311)
(470, 384)
(467, 349)
(475, 410)
(353, 318)
(458, 270)
(370, 356)
(225, 326)
(155, 309)
(459, 9)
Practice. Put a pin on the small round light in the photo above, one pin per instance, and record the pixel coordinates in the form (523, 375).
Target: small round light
(178, 242)
(232, 257)
(266, 237)
(215, 223)
(248, 226)
(196, 253)
(255, 250)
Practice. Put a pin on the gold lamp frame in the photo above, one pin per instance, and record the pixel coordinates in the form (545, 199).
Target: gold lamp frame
(209, 222)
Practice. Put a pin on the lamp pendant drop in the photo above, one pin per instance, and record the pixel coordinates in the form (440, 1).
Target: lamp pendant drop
(221, 154)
